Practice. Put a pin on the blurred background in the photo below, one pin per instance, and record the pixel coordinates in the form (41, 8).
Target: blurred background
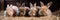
(55, 6)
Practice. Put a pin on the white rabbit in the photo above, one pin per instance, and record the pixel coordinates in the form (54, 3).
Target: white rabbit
(33, 9)
(15, 8)
(45, 9)
(8, 11)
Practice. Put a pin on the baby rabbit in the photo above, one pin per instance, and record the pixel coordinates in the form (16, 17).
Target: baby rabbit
(15, 8)
(33, 9)
(45, 9)
(11, 10)
(22, 10)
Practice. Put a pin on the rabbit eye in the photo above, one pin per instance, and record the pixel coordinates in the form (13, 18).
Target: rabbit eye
(46, 9)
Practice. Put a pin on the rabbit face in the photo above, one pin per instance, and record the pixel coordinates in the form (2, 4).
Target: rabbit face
(12, 10)
(45, 8)
(33, 9)
(9, 10)
(22, 9)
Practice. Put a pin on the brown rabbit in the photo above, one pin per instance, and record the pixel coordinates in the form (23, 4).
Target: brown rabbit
(45, 9)
(23, 9)
(33, 9)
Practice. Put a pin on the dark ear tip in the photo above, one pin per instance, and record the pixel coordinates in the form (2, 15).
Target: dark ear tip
(35, 3)
(51, 2)
(23, 3)
(30, 2)
(40, 1)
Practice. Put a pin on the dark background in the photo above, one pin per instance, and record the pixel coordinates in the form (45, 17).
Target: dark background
(54, 7)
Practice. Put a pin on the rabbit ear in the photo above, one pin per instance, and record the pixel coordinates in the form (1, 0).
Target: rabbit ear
(49, 4)
(18, 4)
(35, 5)
(42, 4)
(31, 5)
(7, 5)
(23, 4)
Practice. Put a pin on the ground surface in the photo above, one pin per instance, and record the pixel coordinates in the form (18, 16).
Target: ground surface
(28, 18)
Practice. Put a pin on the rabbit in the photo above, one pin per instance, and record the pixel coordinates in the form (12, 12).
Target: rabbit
(22, 12)
(11, 10)
(23, 9)
(45, 9)
(15, 8)
(33, 9)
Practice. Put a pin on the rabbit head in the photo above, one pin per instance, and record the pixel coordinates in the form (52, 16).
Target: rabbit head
(9, 10)
(22, 9)
(33, 9)
(45, 8)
